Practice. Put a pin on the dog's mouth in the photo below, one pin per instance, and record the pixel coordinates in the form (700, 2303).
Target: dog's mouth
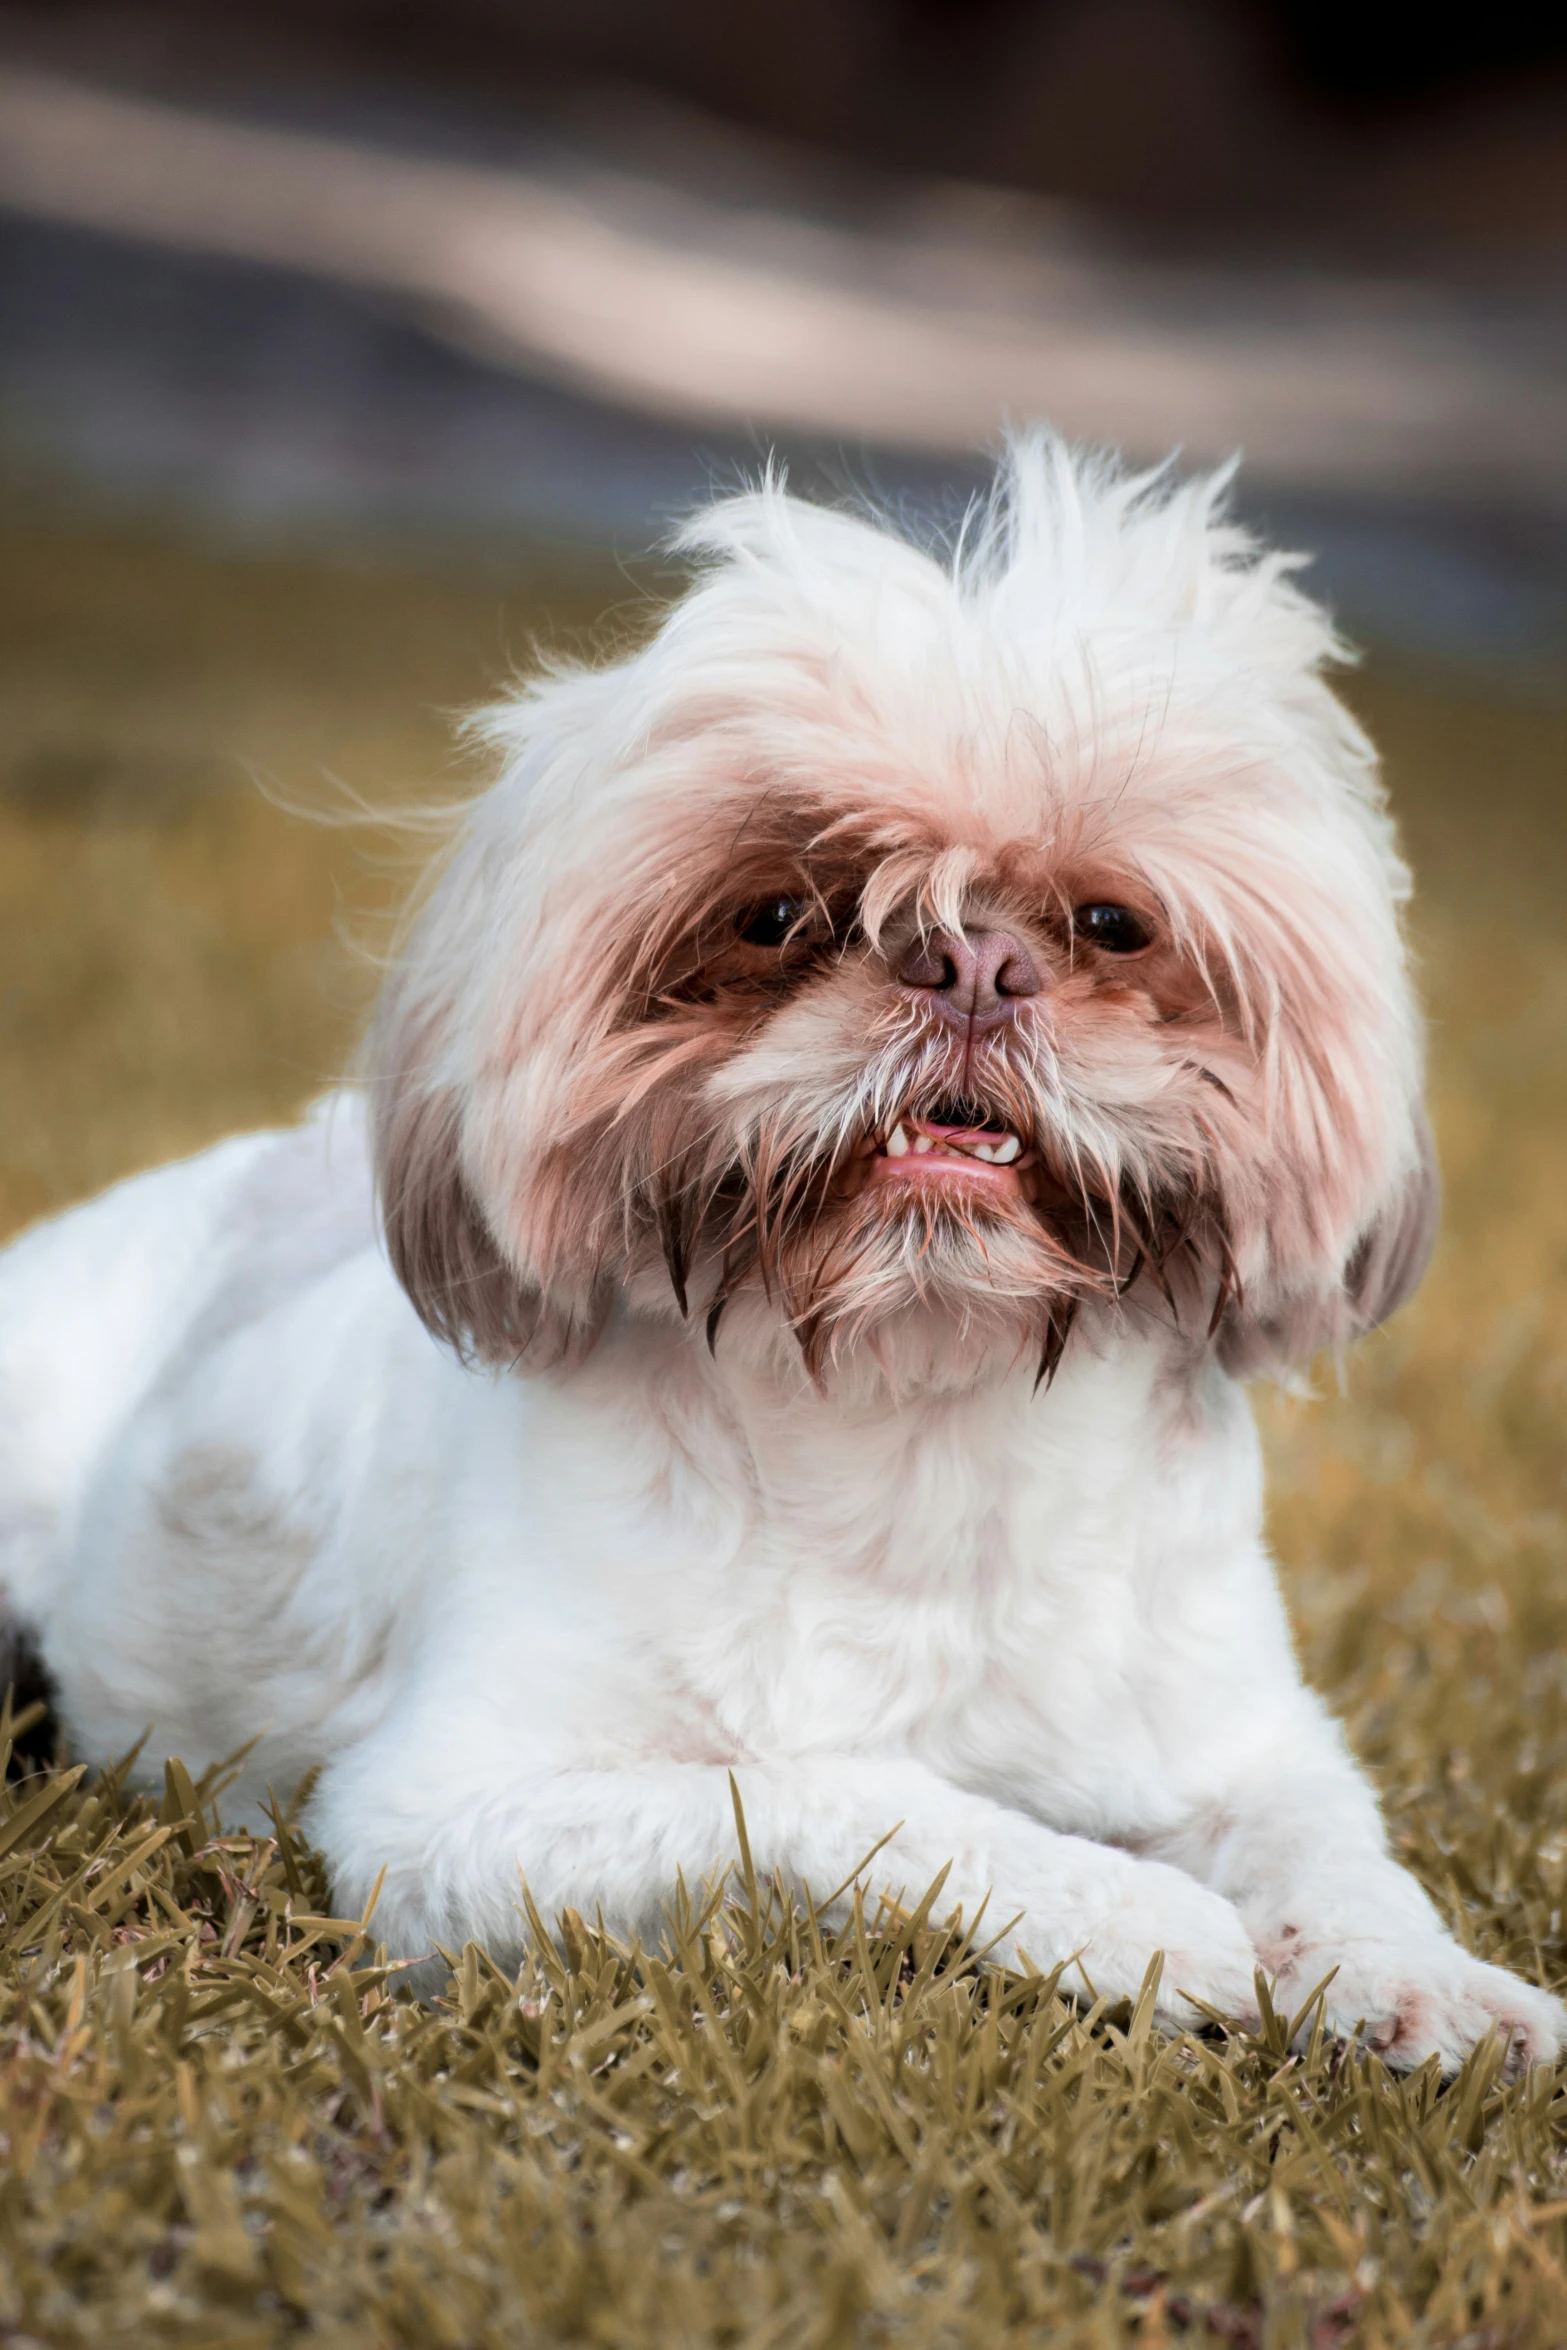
(954, 1145)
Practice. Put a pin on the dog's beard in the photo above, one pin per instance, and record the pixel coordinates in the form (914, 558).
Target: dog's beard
(979, 1267)
(781, 1200)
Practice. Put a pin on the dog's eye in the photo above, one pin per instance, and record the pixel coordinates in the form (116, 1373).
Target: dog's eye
(770, 923)
(1115, 928)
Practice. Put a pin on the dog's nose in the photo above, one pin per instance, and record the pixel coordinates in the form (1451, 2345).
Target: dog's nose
(975, 977)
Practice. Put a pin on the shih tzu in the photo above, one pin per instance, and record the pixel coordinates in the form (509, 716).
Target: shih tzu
(878, 1071)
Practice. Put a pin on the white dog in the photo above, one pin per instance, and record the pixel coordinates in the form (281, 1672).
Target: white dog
(878, 1069)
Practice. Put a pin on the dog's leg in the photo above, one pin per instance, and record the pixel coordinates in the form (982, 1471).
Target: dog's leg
(1303, 1856)
(615, 1841)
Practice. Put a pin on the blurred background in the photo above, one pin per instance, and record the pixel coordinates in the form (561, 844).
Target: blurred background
(419, 274)
(349, 347)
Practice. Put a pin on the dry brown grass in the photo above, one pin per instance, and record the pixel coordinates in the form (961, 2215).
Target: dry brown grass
(170, 959)
(222, 2130)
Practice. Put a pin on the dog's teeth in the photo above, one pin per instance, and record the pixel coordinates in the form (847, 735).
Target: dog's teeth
(982, 1150)
(1006, 1151)
(923, 1142)
(897, 1142)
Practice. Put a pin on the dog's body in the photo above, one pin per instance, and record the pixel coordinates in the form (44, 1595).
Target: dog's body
(784, 1218)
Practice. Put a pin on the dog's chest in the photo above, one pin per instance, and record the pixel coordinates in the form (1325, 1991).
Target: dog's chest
(958, 1601)
(1003, 1585)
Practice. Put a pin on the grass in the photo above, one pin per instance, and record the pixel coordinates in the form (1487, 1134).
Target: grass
(221, 2125)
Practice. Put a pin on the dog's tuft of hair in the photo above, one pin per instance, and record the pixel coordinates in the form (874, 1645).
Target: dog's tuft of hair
(597, 1075)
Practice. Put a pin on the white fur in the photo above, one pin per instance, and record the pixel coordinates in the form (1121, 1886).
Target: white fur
(530, 1621)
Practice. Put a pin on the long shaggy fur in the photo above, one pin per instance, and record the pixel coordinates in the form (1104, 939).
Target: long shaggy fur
(1104, 687)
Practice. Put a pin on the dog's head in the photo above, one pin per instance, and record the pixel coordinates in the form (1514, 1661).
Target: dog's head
(923, 944)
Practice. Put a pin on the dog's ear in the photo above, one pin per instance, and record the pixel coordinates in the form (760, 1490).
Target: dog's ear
(1383, 1270)
(471, 1283)
(1390, 1261)
(441, 1248)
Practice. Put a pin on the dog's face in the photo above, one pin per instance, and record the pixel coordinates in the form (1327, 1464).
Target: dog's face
(921, 946)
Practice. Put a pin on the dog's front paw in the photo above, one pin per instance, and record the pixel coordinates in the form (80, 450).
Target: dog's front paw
(1409, 1999)
(1144, 1907)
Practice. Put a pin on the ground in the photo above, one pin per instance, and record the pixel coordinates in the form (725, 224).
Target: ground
(223, 2129)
